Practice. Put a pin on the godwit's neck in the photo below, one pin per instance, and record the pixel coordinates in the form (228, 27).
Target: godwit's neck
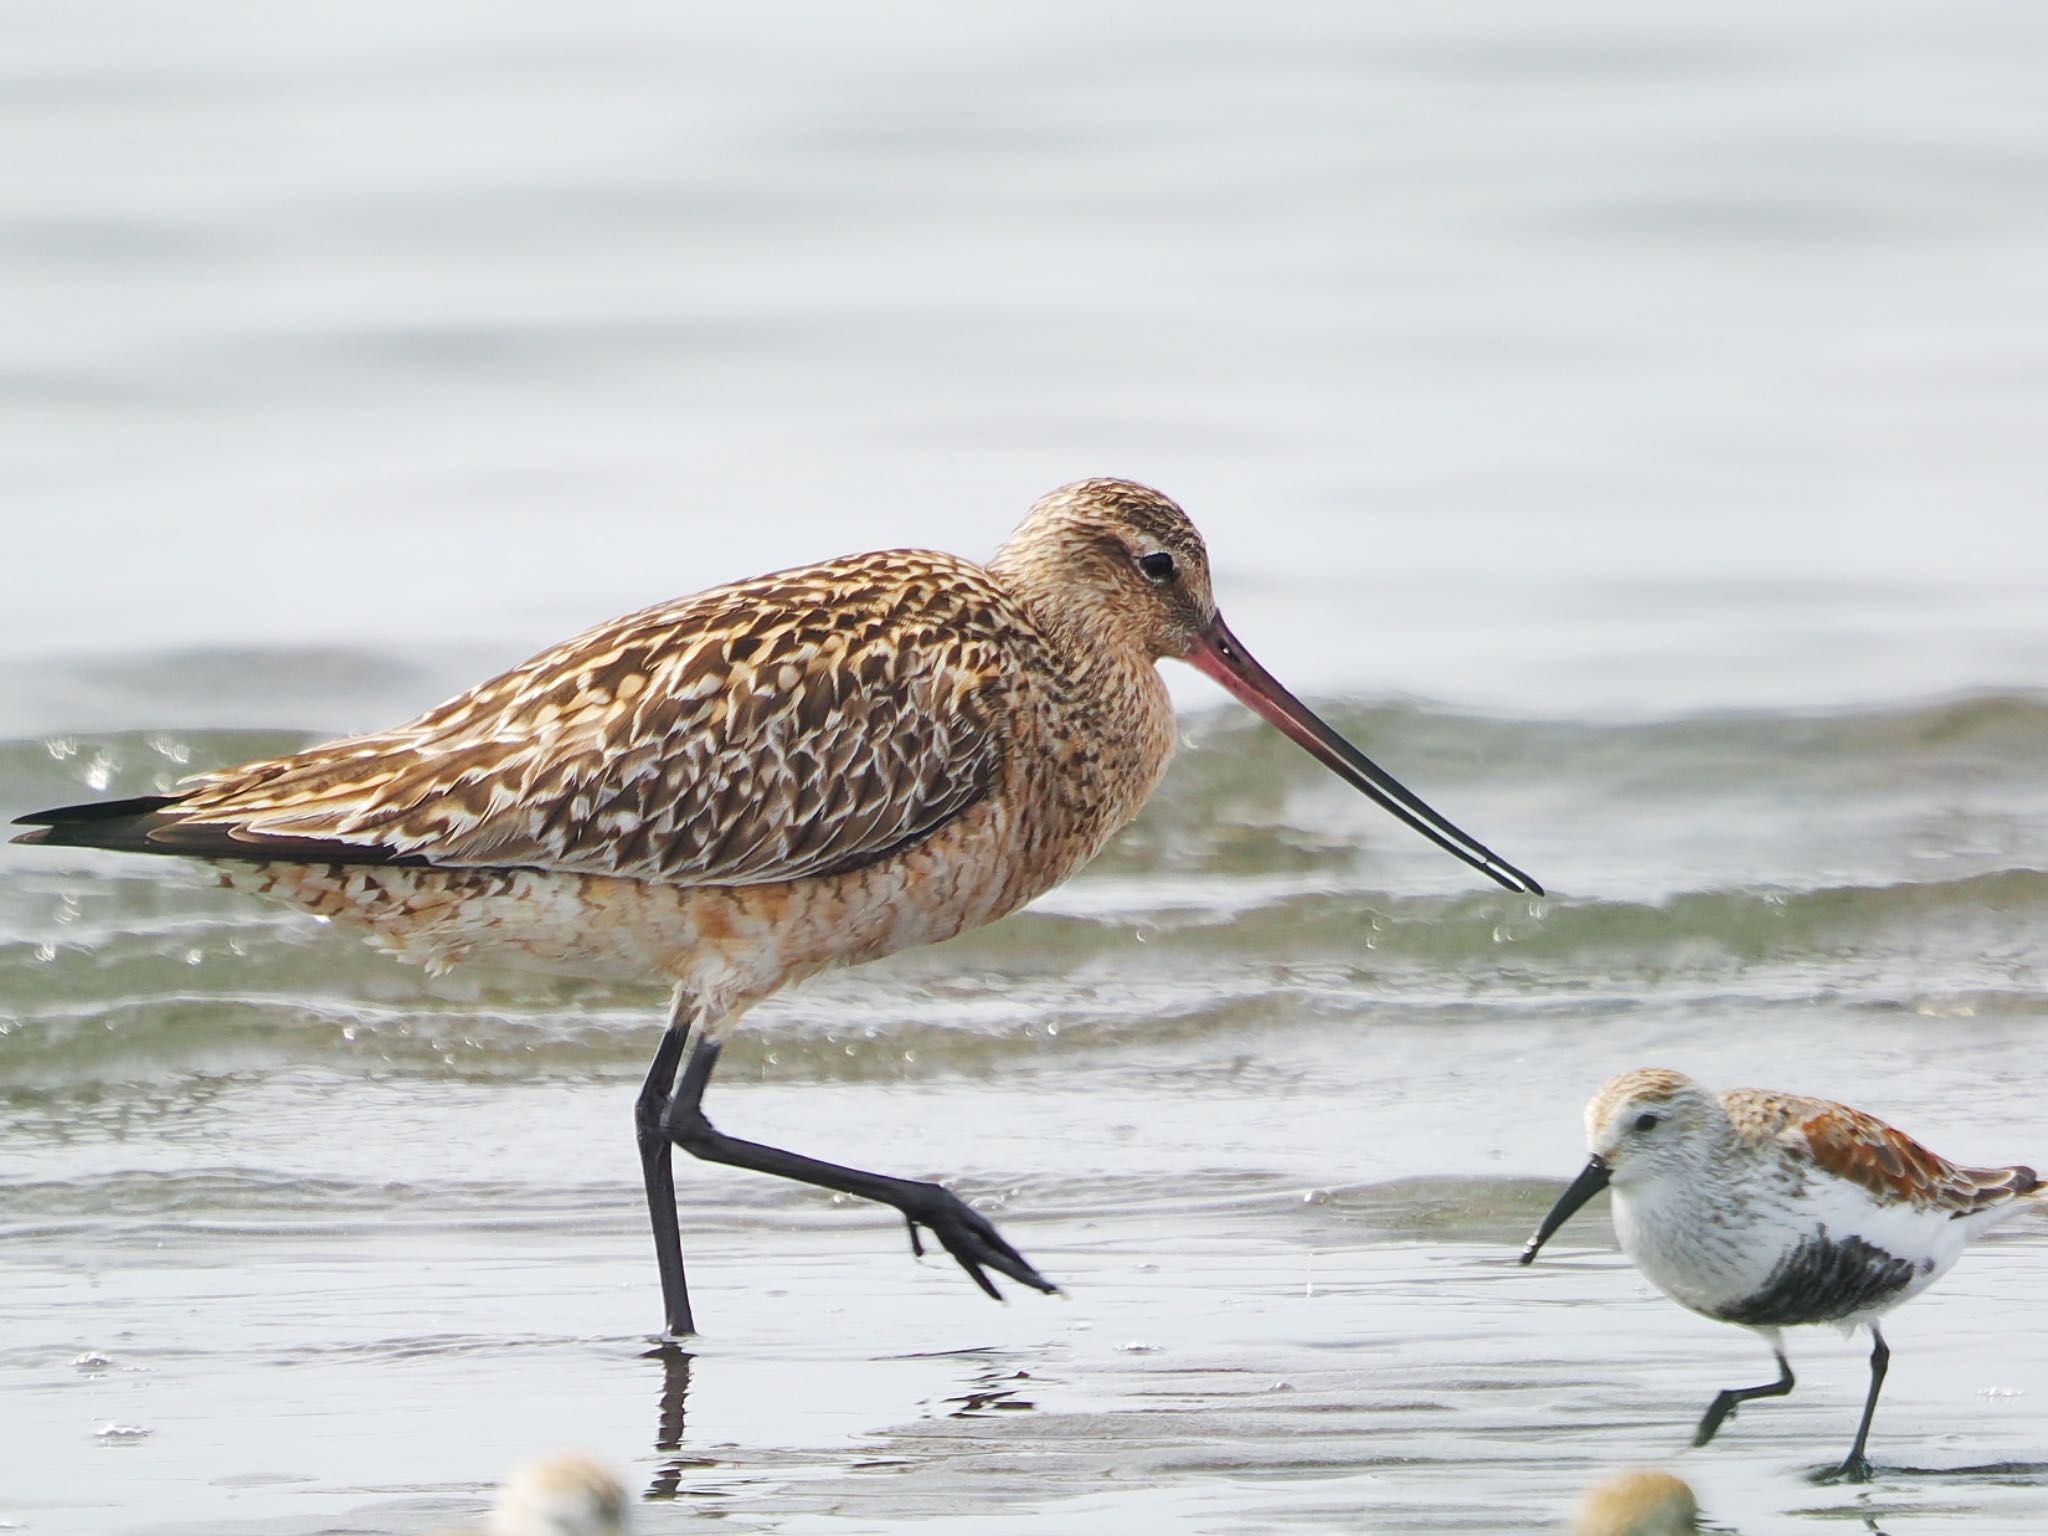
(1085, 624)
(1112, 719)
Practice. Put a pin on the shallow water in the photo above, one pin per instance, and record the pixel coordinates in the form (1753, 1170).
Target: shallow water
(1629, 425)
(1272, 1095)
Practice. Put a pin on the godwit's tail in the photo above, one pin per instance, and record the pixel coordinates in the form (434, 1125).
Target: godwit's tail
(141, 825)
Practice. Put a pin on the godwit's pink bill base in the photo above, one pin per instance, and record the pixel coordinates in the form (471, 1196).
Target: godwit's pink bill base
(1221, 655)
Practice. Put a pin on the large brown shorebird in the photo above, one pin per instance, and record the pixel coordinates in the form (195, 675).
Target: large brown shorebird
(742, 788)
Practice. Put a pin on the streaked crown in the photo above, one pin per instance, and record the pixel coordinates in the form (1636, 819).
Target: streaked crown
(1111, 562)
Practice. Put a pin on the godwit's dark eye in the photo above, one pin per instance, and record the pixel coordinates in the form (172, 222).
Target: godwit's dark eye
(1158, 565)
(1646, 1122)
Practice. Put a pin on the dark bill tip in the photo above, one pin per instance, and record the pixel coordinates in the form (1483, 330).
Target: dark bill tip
(1221, 655)
(1591, 1180)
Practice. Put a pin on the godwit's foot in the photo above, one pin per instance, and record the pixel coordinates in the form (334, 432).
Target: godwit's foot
(964, 1232)
(971, 1238)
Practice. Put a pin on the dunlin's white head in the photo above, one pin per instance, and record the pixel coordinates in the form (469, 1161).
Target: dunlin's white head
(1652, 1124)
(1644, 1128)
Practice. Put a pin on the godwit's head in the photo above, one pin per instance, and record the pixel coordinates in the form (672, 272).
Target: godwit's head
(1111, 564)
(1644, 1128)
(1116, 564)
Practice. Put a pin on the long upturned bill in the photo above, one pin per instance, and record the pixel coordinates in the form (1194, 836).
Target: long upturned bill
(1221, 655)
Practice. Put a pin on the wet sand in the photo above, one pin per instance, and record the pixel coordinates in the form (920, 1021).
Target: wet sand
(1236, 1351)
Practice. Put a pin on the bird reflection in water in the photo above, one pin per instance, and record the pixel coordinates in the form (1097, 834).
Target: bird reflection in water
(668, 1427)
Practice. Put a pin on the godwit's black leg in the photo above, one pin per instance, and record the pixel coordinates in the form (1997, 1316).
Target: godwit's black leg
(1856, 1469)
(655, 1153)
(1726, 1403)
(966, 1234)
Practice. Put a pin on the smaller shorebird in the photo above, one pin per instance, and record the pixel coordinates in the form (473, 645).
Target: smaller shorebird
(1772, 1210)
(736, 790)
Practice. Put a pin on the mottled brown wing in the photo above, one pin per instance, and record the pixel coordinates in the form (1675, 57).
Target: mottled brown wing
(805, 722)
(1863, 1150)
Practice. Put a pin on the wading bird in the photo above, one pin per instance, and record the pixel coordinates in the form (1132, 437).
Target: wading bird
(1771, 1210)
(742, 788)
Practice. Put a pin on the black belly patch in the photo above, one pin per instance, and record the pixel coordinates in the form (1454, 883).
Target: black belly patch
(1822, 1280)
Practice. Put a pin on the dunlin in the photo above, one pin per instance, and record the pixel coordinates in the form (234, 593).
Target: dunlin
(1772, 1210)
(742, 788)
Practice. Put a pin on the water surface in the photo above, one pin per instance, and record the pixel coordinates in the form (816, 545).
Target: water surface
(1628, 424)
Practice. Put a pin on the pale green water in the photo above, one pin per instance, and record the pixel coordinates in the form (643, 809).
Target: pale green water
(354, 1241)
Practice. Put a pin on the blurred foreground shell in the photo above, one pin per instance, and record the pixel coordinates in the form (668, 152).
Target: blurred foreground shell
(1638, 1503)
(566, 1495)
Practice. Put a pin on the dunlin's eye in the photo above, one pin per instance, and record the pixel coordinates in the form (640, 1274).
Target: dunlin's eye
(1158, 565)
(1646, 1122)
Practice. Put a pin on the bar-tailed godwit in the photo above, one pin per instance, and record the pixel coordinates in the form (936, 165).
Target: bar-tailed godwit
(1771, 1210)
(742, 788)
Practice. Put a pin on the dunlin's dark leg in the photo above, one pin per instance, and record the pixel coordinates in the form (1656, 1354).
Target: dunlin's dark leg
(1856, 1469)
(1726, 1403)
(660, 1178)
(966, 1234)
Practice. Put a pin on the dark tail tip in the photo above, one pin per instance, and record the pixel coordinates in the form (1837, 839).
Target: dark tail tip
(96, 824)
(94, 810)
